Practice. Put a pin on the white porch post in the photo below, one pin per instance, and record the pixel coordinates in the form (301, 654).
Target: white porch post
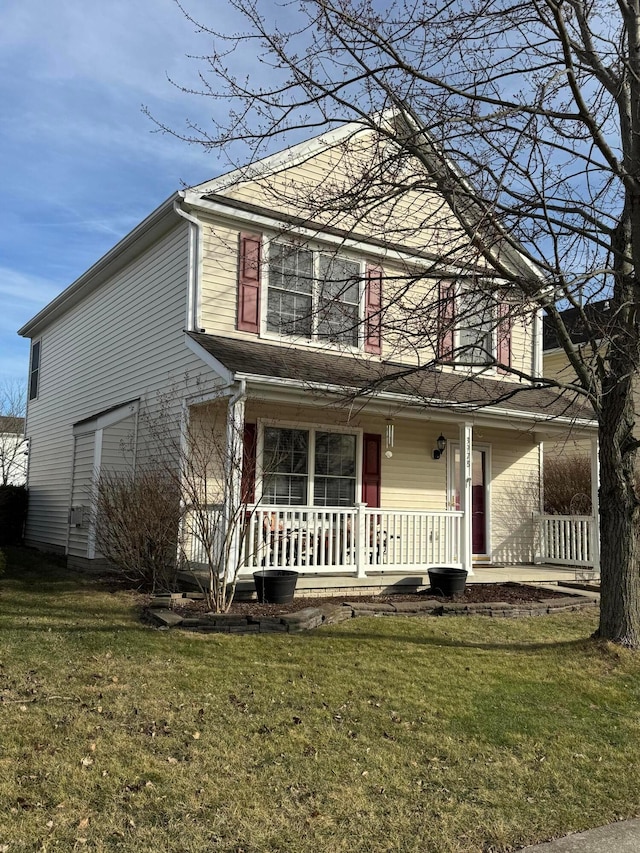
(95, 483)
(595, 503)
(466, 481)
(361, 537)
(235, 452)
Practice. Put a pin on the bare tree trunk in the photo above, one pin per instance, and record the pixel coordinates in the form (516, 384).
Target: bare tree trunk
(619, 500)
(619, 522)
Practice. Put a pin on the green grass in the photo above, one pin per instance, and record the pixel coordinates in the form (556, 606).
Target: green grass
(383, 734)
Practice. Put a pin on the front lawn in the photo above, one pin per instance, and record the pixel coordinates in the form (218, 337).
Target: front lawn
(384, 734)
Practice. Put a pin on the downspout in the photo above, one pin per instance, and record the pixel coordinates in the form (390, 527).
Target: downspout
(193, 290)
(538, 343)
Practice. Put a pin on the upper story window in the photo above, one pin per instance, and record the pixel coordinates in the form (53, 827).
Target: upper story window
(313, 295)
(474, 328)
(34, 370)
(310, 294)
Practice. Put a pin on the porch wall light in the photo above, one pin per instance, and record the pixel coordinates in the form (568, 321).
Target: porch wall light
(441, 446)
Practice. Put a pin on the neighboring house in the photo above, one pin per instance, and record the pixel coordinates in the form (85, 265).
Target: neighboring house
(556, 364)
(13, 451)
(333, 345)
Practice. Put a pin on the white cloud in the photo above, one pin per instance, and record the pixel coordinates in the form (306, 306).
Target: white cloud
(81, 163)
(28, 291)
(21, 297)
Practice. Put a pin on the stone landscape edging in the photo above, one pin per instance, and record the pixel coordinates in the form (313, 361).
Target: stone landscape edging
(160, 612)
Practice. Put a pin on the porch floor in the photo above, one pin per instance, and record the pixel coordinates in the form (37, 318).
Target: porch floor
(526, 574)
(312, 584)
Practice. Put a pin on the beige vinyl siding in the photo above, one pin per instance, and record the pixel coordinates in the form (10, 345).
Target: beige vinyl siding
(219, 292)
(83, 473)
(410, 479)
(514, 495)
(209, 456)
(556, 366)
(124, 340)
(410, 320)
(419, 219)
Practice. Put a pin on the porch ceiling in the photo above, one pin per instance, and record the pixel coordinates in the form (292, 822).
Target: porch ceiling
(371, 377)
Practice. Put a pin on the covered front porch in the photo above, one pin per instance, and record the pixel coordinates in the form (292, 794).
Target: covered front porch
(350, 468)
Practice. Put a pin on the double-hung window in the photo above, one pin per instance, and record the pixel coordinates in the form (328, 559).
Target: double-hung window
(476, 325)
(308, 467)
(34, 370)
(313, 295)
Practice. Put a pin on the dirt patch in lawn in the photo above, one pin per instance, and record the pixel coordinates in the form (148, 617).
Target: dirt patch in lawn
(476, 593)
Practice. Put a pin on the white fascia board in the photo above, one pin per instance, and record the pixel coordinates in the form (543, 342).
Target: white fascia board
(140, 238)
(262, 222)
(285, 159)
(107, 419)
(217, 366)
(499, 415)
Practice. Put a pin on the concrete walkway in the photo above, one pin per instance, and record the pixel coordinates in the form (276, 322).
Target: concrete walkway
(524, 574)
(622, 837)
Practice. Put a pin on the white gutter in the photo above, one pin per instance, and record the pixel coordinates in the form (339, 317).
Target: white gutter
(241, 393)
(193, 323)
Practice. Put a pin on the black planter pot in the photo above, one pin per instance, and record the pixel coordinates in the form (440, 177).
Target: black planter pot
(447, 581)
(275, 586)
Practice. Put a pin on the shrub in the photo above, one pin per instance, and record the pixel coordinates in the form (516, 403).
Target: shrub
(567, 485)
(13, 513)
(137, 522)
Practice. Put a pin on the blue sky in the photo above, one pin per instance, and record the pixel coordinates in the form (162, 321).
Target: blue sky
(80, 163)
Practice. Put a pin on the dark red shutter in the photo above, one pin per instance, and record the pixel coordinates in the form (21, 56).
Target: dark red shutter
(446, 320)
(372, 311)
(371, 468)
(504, 337)
(249, 259)
(249, 464)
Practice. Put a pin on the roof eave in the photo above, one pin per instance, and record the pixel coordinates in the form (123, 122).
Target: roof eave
(492, 411)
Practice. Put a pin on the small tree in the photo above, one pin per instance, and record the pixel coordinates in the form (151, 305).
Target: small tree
(181, 506)
(216, 513)
(567, 485)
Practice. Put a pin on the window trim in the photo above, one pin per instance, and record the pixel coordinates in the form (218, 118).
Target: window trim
(314, 340)
(312, 429)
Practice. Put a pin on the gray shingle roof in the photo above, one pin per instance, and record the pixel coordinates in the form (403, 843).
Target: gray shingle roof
(361, 375)
(11, 424)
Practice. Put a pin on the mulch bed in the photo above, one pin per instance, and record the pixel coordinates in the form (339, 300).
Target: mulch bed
(475, 593)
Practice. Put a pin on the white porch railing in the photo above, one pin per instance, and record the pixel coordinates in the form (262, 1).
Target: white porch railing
(567, 540)
(355, 540)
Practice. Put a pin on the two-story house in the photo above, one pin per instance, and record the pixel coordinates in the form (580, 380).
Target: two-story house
(364, 359)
